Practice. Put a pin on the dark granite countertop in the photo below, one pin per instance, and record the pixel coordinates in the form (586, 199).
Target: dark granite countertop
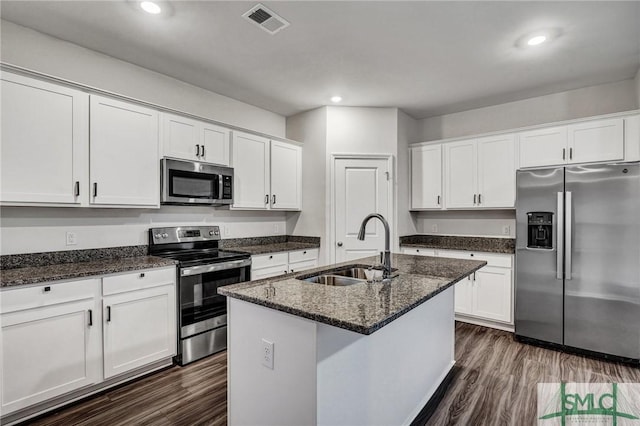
(363, 307)
(274, 244)
(275, 248)
(453, 242)
(67, 271)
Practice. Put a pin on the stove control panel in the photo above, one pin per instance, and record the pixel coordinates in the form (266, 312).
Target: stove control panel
(184, 234)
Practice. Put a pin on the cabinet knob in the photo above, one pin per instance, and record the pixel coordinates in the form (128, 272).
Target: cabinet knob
(47, 288)
(142, 275)
(304, 252)
(471, 255)
(270, 257)
(339, 243)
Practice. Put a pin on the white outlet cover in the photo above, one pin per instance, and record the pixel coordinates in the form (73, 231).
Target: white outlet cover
(267, 353)
(434, 227)
(506, 229)
(71, 239)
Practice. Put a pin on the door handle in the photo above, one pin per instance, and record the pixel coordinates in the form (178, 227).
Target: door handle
(197, 150)
(339, 243)
(108, 313)
(95, 189)
(568, 236)
(77, 189)
(90, 317)
(560, 236)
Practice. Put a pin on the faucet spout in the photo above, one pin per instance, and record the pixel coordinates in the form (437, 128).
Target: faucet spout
(387, 253)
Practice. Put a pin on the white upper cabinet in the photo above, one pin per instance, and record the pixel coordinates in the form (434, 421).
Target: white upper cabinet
(461, 177)
(267, 175)
(286, 176)
(496, 171)
(585, 142)
(124, 154)
(426, 177)
(250, 161)
(44, 142)
(194, 140)
(601, 140)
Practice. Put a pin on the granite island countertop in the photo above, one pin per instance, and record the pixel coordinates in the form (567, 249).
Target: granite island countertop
(454, 242)
(363, 307)
(10, 278)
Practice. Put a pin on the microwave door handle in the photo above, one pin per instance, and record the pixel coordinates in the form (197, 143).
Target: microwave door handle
(220, 187)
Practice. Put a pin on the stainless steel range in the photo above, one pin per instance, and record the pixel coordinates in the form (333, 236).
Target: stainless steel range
(202, 268)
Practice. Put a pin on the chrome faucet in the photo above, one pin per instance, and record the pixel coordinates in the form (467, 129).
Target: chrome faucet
(387, 254)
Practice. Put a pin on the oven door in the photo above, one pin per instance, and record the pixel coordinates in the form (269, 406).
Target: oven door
(201, 307)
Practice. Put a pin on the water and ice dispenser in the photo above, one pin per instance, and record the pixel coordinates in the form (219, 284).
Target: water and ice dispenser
(540, 230)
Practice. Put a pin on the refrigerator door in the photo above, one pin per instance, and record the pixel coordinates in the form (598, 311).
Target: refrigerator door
(539, 290)
(602, 287)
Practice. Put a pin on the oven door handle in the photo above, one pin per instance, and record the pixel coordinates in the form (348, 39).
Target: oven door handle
(212, 267)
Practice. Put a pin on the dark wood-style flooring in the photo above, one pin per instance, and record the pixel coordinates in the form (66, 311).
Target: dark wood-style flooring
(495, 384)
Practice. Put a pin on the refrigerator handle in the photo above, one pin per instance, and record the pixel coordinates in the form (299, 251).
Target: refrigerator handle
(569, 236)
(560, 236)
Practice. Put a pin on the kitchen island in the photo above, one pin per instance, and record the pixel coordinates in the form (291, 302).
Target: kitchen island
(367, 353)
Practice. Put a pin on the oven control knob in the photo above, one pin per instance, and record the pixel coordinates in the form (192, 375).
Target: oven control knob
(165, 235)
(211, 233)
(158, 235)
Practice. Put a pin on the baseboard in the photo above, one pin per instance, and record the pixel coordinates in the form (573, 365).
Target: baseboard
(438, 394)
(485, 323)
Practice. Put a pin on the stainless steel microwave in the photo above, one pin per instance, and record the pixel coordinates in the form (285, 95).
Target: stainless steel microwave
(193, 182)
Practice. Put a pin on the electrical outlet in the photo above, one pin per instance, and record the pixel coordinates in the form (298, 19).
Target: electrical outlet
(267, 353)
(506, 230)
(434, 227)
(72, 239)
(276, 229)
(227, 232)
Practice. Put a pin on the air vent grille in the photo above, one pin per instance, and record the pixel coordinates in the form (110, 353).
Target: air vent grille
(266, 19)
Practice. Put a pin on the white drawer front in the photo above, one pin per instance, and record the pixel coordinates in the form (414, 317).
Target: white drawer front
(302, 255)
(273, 271)
(301, 266)
(48, 294)
(493, 259)
(269, 260)
(137, 280)
(420, 251)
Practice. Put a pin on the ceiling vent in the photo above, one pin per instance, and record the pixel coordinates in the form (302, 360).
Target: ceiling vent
(266, 19)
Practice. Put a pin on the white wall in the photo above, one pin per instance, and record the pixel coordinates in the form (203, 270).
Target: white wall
(407, 133)
(39, 52)
(585, 102)
(38, 229)
(469, 223)
(637, 81)
(311, 127)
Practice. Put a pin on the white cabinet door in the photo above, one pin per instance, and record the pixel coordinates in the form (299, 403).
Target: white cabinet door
(463, 296)
(496, 172)
(48, 351)
(124, 158)
(600, 140)
(426, 177)
(460, 175)
(492, 294)
(139, 328)
(215, 144)
(180, 137)
(250, 161)
(44, 142)
(286, 176)
(543, 147)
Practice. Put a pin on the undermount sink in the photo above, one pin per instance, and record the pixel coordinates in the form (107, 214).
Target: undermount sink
(352, 274)
(335, 280)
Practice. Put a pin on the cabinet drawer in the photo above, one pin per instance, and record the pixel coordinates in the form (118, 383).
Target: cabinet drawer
(301, 266)
(269, 260)
(492, 259)
(273, 271)
(48, 294)
(302, 255)
(137, 280)
(420, 251)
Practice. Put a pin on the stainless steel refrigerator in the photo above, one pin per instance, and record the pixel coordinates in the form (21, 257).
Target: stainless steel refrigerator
(578, 257)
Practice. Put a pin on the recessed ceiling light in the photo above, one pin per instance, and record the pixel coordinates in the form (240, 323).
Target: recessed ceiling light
(150, 7)
(336, 99)
(536, 40)
(538, 37)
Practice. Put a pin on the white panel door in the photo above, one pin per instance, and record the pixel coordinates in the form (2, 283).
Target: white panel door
(426, 177)
(250, 161)
(214, 141)
(492, 294)
(464, 296)
(460, 174)
(180, 137)
(286, 176)
(124, 158)
(496, 171)
(362, 186)
(44, 142)
(49, 351)
(543, 147)
(600, 140)
(139, 328)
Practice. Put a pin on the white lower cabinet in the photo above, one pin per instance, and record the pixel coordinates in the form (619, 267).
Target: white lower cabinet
(51, 342)
(274, 264)
(58, 337)
(491, 294)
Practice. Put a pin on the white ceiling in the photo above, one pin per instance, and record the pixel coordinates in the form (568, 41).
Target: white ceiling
(428, 58)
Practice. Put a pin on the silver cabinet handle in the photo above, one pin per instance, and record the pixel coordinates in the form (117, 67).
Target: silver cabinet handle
(197, 150)
(474, 199)
(274, 199)
(570, 153)
(202, 150)
(95, 189)
(479, 198)
(564, 153)
(266, 199)
(560, 235)
(108, 313)
(90, 317)
(77, 189)
(339, 243)
(438, 200)
(568, 236)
